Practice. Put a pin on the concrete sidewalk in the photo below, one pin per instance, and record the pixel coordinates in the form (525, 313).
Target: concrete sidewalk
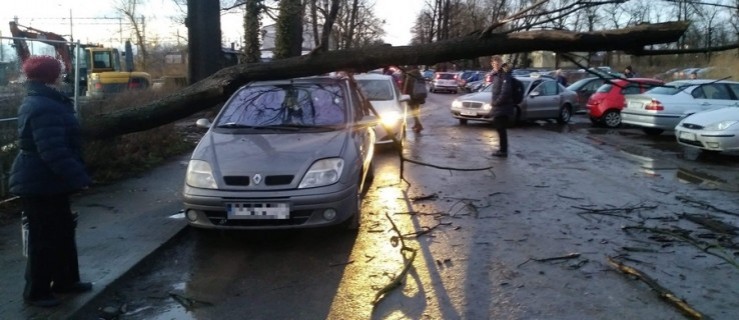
(119, 226)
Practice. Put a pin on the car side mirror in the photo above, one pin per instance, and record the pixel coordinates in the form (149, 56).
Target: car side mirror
(404, 97)
(203, 123)
(535, 93)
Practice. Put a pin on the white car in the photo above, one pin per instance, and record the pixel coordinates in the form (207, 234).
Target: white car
(713, 130)
(661, 108)
(385, 97)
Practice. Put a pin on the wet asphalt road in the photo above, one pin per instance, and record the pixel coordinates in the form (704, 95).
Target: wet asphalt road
(479, 231)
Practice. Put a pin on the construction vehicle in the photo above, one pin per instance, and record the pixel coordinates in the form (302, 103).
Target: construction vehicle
(100, 71)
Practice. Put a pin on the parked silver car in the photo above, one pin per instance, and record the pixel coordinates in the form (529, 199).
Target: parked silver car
(444, 81)
(661, 108)
(544, 99)
(283, 154)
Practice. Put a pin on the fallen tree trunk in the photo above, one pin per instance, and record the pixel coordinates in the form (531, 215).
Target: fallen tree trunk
(218, 87)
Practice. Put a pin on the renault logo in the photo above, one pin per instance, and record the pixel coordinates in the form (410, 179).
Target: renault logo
(257, 178)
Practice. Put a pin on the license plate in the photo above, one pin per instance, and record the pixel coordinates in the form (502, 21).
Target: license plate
(247, 210)
(635, 105)
(687, 136)
(469, 113)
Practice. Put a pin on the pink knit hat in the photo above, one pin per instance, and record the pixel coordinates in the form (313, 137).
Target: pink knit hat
(44, 69)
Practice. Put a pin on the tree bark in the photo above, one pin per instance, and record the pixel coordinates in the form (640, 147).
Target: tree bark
(218, 87)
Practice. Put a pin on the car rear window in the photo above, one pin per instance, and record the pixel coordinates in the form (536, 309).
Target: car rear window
(445, 76)
(376, 90)
(309, 104)
(604, 88)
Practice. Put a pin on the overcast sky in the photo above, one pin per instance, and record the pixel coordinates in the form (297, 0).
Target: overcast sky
(96, 21)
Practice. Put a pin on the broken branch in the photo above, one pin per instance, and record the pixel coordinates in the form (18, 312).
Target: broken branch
(662, 291)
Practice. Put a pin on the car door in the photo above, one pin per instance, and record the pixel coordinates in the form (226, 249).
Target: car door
(710, 96)
(543, 101)
(734, 88)
(364, 136)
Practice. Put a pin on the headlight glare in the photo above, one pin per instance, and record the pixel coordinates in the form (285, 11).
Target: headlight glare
(322, 173)
(200, 175)
(390, 118)
(456, 104)
(487, 106)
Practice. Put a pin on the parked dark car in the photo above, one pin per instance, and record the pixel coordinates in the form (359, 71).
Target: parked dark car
(293, 153)
(585, 88)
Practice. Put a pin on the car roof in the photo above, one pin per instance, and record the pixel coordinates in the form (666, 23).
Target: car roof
(373, 76)
(699, 81)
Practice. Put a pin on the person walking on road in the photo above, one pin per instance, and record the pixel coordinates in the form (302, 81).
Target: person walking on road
(502, 102)
(415, 86)
(46, 171)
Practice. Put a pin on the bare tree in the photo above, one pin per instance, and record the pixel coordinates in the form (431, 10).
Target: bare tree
(128, 8)
(252, 26)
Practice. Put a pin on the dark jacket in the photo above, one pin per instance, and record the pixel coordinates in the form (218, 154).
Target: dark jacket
(50, 158)
(409, 81)
(503, 94)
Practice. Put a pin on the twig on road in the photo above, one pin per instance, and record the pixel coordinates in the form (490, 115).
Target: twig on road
(408, 263)
(662, 291)
(565, 257)
(426, 230)
(705, 205)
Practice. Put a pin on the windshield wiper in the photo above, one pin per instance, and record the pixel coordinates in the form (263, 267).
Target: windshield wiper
(235, 125)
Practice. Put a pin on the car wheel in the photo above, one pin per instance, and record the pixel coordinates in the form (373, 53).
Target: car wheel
(653, 131)
(612, 119)
(564, 114)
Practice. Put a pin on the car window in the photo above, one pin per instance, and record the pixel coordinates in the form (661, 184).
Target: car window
(594, 85)
(671, 88)
(604, 88)
(648, 86)
(547, 88)
(734, 87)
(286, 104)
(445, 76)
(376, 90)
(631, 89)
(716, 91)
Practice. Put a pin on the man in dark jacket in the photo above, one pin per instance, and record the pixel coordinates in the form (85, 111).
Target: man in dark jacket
(47, 170)
(502, 102)
(411, 81)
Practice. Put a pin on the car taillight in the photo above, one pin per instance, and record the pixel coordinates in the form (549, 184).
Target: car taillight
(98, 85)
(654, 105)
(438, 76)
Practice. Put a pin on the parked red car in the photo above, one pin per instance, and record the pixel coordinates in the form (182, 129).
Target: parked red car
(604, 106)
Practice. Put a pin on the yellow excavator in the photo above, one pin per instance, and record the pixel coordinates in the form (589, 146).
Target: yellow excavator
(101, 73)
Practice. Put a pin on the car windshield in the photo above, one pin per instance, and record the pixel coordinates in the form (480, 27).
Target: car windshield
(285, 105)
(489, 87)
(579, 84)
(376, 90)
(670, 88)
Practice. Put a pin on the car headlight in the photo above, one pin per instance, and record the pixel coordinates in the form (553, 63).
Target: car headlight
(723, 125)
(456, 104)
(322, 173)
(487, 107)
(200, 175)
(390, 118)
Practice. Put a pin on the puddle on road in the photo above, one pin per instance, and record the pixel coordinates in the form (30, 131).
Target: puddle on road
(727, 182)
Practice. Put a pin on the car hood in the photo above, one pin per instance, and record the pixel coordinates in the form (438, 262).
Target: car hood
(709, 117)
(477, 96)
(385, 106)
(270, 154)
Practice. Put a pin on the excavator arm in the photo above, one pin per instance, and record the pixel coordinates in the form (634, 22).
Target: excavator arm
(63, 50)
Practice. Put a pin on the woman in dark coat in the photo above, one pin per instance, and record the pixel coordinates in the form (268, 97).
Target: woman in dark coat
(47, 170)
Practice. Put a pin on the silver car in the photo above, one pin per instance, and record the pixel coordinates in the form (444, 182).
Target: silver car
(392, 107)
(283, 154)
(544, 98)
(661, 108)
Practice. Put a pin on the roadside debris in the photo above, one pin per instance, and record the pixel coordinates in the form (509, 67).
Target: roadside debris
(705, 205)
(565, 257)
(408, 263)
(665, 294)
